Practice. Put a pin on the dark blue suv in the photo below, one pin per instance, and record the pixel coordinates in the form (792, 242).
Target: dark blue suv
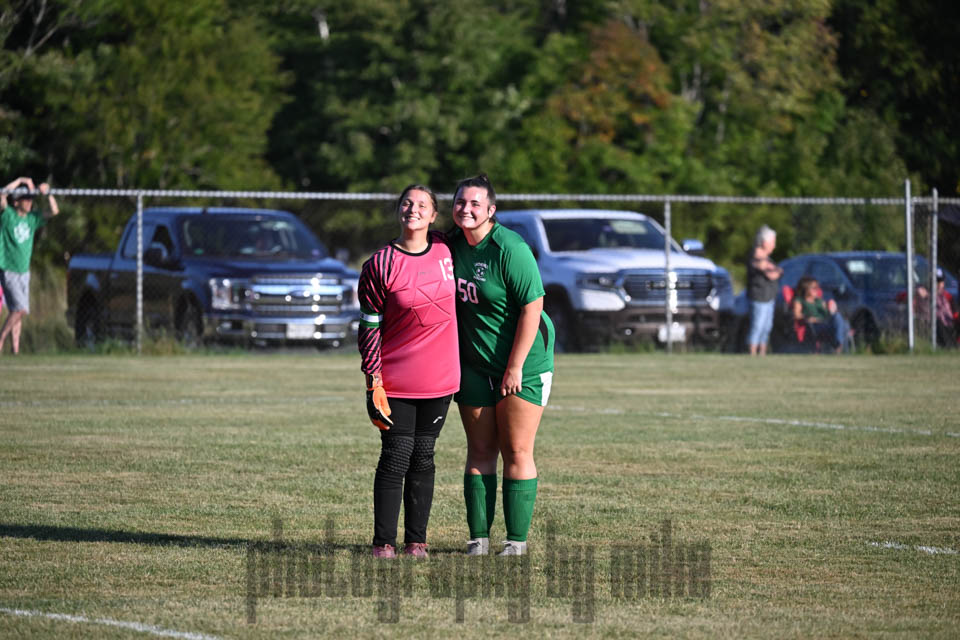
(868, 286)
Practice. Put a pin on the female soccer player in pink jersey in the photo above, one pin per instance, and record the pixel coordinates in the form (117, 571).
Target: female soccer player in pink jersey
(409, 348)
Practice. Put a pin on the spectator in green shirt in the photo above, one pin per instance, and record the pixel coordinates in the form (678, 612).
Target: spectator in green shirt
(18, 225)
(825, 322)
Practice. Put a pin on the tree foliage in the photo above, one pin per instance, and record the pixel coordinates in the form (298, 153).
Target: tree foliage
(110, 93)
(748, 97)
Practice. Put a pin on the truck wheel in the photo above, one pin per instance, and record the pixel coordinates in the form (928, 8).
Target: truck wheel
(190, 326)
(563, 325)
(88, 330)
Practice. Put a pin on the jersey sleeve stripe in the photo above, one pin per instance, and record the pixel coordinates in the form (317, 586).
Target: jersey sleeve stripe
(374, 279)
(370, 319)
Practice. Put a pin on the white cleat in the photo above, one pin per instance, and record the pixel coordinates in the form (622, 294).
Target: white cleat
(513, 548)
(478, 546)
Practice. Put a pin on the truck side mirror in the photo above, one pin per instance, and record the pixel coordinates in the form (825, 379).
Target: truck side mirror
(693, 246)
(156, 256)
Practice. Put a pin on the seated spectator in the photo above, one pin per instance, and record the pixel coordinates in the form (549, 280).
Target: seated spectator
(824, 321)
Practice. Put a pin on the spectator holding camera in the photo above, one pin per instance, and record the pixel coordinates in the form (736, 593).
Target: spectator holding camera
(18, 225)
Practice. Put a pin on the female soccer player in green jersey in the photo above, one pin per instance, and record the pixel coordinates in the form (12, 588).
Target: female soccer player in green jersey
(506, 364)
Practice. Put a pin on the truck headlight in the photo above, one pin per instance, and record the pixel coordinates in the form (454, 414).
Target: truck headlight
(225, 294)
(721, 296)
(713, 300)
(594, 300)
(600, 292)
(351, 298)
(602, 281)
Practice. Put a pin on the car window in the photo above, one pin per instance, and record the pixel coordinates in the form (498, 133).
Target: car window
(162, 237)
(861, 272)
(522, 229)
(582, 234)
(892, 273)
(826, 273)
(792, 271)
(130, 245)
(253, 237)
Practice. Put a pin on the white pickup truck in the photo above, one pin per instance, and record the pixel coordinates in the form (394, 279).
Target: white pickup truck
(604, 277)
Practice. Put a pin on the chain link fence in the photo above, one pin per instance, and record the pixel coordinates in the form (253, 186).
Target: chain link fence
(113, 263)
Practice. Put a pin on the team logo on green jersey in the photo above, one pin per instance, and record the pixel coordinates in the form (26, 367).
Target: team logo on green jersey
(480, 271)
(21, 232)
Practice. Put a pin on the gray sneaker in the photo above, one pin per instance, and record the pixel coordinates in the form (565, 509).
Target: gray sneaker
(513, 548)
(478, 546)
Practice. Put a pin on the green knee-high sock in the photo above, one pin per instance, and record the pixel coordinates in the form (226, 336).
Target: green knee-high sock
(480, 496)
(519, 497)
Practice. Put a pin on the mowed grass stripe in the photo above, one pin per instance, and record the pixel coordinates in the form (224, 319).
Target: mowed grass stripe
(131, 487)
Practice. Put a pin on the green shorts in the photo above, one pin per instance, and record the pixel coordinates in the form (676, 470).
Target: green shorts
(480, 390)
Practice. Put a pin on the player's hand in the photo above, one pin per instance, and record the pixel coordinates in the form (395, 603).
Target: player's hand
(512, 381)
(377, 406)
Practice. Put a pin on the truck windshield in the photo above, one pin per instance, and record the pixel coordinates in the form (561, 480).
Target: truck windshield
(582, 234)
(249, 237)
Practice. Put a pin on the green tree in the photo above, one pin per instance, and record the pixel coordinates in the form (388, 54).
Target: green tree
(612, 125)
(901, 63)
(388, 93)
(770, 118)
(177, 94)
(26, 28)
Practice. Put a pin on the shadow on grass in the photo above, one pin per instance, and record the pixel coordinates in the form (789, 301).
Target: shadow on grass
(47, 533)
(75, 534)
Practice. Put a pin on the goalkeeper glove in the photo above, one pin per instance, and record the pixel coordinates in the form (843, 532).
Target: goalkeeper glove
(377, 406)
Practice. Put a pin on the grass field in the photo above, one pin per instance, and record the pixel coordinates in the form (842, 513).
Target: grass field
(827, 489)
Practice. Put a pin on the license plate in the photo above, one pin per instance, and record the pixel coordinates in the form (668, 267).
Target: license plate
(677, 333)
(301, 331)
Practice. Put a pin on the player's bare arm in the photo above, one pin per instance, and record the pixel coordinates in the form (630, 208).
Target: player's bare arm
(53, 208)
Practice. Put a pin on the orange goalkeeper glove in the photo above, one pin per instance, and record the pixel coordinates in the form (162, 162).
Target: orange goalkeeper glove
(377, 406)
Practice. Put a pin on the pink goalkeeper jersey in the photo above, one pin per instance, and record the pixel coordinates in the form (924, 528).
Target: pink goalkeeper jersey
(408, 331)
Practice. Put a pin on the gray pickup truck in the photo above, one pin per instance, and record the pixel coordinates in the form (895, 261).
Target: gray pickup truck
(251, 276)
(604, 276)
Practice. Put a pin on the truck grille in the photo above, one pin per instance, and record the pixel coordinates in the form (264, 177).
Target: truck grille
(296, 295)
(299, 279)
(648, 287)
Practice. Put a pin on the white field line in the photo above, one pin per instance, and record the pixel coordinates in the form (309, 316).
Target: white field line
(777, 421)
(135, 626)
(917, 547)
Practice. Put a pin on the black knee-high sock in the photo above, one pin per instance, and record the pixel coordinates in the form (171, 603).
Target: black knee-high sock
(395, 452)
(418, 491)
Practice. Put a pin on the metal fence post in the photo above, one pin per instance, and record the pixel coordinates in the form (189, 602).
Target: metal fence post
(908, 215)
(668, 285)
(933, 271)
(139, 273)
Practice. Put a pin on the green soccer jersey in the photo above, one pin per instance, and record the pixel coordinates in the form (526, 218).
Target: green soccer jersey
(494, 280)
(16, 239)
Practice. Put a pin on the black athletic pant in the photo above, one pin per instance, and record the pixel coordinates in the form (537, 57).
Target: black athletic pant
(406, 470)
